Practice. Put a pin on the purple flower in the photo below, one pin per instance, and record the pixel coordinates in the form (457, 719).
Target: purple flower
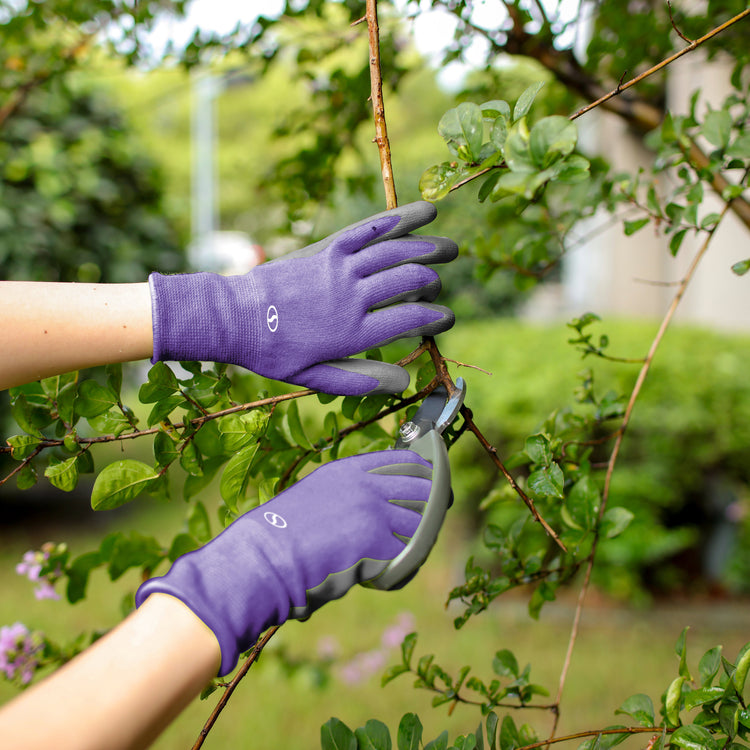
(45, 590)
(18, 649)
(328, 648)
(394, 635)
(32, 565)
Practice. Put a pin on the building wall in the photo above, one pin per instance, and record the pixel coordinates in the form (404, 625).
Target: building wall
(612, 274)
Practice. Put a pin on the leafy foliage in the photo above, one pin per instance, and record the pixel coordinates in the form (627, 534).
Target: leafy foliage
(208, 423)
(80, 201)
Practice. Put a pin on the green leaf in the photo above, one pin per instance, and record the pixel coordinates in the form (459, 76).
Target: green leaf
(26, 478)
(78, 575)
(63, 474)
(740, 673)
(335, 735)
(439, 743)
(499, 132)
(742, 267)
(551, 139)
(640, 707)
(436, 182)
(717, 128)
(582, 503)
(409, 732)
(676, 241)
(120, 482)
(694, 737)
(198, 524)
(486, 188)
(94, 399)
(615, 521)
(392, 672)
(538, 449)
(673, 700)
(181, 545)
(162, 382)
(22, 446)
(462, 129)
(237, 430)
(517, 152)
(407, 649)
(114, 377)
(680, 648)
(294, 423)
(709, 665)
(505, 664)
(165, 448)
(703, 695)
(509, 184)
(30, 417)
(547, 481)
(132, 550)
(163, 408)
(373, 736)
(509, 738)
(631, 227)
(493, 109)
(236, 476)
(492, 723)
(191, 459)
(523, 105)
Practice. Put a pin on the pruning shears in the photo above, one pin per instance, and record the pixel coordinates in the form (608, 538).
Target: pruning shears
(423, 434)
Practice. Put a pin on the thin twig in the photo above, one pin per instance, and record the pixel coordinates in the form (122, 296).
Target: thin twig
(674, 24)
(254, 654)
(492, 453)
(663, 64)
(597, 733)
(378, 107)
(616, 452)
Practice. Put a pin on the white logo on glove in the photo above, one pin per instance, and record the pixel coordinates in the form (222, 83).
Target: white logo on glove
(272, 318)
(274, 519)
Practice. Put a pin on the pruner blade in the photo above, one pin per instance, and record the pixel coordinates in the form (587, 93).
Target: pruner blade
(437, 411)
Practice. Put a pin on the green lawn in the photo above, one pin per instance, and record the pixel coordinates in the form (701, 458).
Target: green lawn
(619, 650)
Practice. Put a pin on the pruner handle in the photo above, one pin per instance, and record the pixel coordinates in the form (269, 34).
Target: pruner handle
(402, 568)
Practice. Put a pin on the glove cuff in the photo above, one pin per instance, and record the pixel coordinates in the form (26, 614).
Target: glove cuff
(201, 580)
(199, 317)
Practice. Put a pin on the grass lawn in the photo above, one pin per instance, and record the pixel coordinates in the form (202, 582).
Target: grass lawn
(619, 650)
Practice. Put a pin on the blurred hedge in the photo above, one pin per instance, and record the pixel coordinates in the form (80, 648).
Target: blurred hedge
(684, 467)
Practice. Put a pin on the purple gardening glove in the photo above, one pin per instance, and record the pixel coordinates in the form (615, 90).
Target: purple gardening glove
(343, 524)
(300, 318)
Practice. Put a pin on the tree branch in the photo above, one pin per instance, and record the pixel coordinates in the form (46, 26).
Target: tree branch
(378, 107)
(254, 654)
(617, 445)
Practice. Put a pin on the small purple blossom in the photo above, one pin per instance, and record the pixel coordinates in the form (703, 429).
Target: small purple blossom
(34, 562)
(328, 648)
(18, 650)
(394, 635)
(362, 666)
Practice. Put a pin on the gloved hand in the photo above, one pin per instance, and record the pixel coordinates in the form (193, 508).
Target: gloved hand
(338, 526)
(300, 318)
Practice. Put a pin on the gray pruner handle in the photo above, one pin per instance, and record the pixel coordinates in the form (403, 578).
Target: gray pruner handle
(432, 448)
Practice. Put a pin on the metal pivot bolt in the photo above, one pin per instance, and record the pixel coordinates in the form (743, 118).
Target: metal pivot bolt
(409, 431)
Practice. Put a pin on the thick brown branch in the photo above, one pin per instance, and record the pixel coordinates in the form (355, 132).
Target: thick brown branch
(638, 113)
(378, 107)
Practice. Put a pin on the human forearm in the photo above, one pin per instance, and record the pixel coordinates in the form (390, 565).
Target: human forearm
(51, 328)
(124, 690)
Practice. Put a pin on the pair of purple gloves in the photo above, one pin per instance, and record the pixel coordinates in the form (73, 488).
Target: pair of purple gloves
(300, 319)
